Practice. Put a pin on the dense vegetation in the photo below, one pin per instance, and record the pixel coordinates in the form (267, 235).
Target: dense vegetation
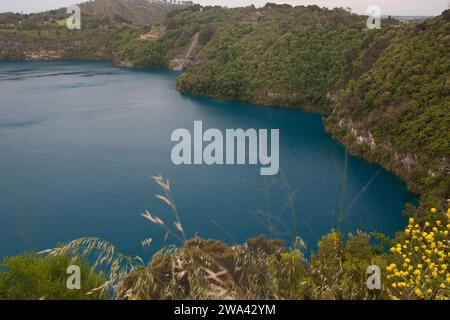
(62, 44)
(140, 13)
(278, 55)
(110, 29)
(34, 277)
(180, 27)
(397, 113)
(415, 267)
(137, 13)
(260, 269)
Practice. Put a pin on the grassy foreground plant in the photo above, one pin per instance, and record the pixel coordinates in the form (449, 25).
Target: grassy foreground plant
(415, 268)
(35, 277)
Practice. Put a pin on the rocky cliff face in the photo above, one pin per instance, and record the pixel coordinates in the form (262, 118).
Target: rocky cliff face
(10, 44)
(407, 165)
(40, 55)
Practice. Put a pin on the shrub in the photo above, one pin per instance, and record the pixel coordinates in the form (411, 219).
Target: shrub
(419, 262)
(339, 267)
(32, 277)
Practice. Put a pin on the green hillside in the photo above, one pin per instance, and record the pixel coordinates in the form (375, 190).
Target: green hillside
(397, 113)
(278, 55)
(106, 26)
(138, 13)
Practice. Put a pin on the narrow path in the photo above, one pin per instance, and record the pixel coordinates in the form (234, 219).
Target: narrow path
(183, 62)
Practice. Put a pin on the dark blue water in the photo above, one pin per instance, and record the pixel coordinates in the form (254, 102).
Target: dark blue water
(79, 143)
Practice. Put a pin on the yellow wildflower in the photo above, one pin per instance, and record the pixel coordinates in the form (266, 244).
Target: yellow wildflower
(418, 292)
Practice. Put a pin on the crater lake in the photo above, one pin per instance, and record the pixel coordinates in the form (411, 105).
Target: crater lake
(80, 142)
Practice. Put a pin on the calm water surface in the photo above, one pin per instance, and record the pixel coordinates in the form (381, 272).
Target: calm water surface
(79, 143)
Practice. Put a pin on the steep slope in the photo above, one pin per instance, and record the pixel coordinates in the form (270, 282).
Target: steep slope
(137, 13)
(106, 26)
(278, 55)
(132, 12)
(398, 113)
(181, 26)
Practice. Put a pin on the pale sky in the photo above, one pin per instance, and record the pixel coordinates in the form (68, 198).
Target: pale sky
(392, 7)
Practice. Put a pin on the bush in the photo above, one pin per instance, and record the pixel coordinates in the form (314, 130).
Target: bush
(339, 267)
(419, 261)
(32, 277)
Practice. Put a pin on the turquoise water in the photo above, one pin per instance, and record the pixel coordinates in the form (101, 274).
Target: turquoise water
(79, 143)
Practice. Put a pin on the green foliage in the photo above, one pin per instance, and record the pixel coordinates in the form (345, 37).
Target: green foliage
(181, 27)
(142, 54)
(265, 245)
(209, 269)
(60, 43)
(27, 24)
(32, 277)
(139, 13)
(418, 263)
(277, 55)
(339, 267)
(11, 55)
(95, 14)
(402, 101)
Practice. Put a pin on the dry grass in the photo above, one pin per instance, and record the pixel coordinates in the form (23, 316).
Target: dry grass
(210, 269)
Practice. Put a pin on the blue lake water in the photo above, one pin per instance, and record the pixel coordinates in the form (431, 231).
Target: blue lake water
(79, 143)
